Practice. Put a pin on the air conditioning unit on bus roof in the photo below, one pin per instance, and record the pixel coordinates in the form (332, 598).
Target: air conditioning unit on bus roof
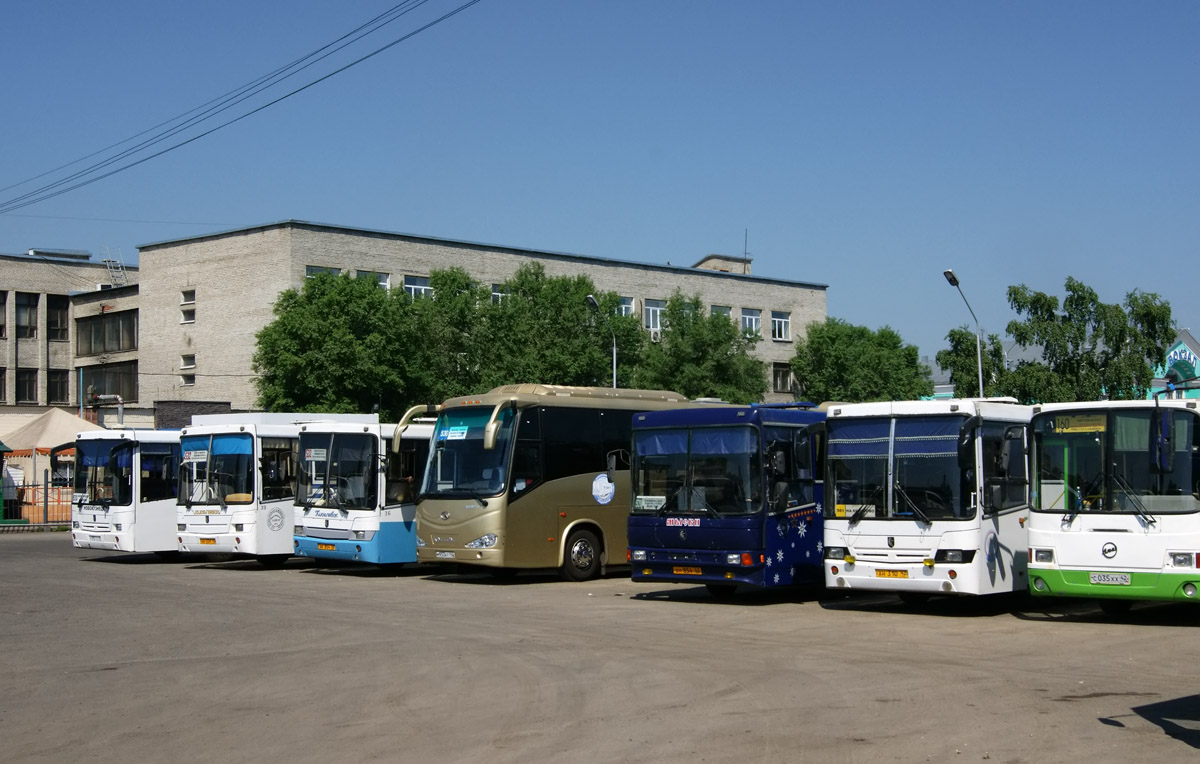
(656, 335)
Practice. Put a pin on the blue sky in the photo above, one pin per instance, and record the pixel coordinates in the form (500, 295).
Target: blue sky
(863, 145)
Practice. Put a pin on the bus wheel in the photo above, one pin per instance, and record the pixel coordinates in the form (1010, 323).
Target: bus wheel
(582, 560)
(273, 561)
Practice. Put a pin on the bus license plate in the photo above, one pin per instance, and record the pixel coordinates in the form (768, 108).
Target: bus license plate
(93, 538)
(326, 547)
(208, 541)
(891, 574)
(685, 570)
(444, 555)
(1119, 579)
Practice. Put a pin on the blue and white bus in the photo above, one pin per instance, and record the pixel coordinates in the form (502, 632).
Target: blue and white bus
(125, 489)
(237, 483)
(726, 495)
(356, 499)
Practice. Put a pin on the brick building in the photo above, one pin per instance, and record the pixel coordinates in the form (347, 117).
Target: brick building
(205, 297)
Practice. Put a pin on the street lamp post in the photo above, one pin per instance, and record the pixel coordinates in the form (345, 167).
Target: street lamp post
(950, 277)
(591, 301)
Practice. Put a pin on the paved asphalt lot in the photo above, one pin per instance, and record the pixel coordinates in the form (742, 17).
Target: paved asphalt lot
(110, 657)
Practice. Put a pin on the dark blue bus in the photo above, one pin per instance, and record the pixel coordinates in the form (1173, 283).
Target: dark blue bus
(727, 495)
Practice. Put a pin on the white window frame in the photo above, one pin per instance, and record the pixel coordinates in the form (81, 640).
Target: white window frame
(721, 310)
(627, 307)
(187, 316)
(776, 369)
(781, 326)
(652, 311)
(187, 361)
(187, 380)
(313, 270)
(418, 290)
(498, 293)
(187, 297)
(379, 277)
(752, 321)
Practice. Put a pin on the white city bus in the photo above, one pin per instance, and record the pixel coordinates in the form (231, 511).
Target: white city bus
(237, 483)
(357, 499)
(1116, 501)
(927, 497)
(125, 488)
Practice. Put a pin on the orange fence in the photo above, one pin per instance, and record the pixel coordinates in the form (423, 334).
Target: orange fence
(36, 504)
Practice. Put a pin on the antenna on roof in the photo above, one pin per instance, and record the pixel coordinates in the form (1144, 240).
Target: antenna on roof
(746, 253)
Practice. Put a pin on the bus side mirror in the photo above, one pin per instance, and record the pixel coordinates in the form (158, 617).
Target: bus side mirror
(1162, 441)
(611, 470)
(993, 497)
(966, 442)
(1011, 436)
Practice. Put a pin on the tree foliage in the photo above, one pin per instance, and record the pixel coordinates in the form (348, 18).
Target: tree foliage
(963, 358)
(702, 354)
(1089, 349)
(838, 361)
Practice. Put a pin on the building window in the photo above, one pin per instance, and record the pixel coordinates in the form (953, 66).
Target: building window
(187, 380)
(58, 386)
(781, 377)
(187, 297)
(3, 314)
(316, 270)
(382, 279)
(752, 321)
(107, 333)
(417, 287)
(112, 379)
(498, 293)
(27, 306)
(187, 361)
(27, 386)
(652, 313)
(3, 384)
(781, 325)
(187, 316)
(627, 307)
(721, 310)
(57, 308)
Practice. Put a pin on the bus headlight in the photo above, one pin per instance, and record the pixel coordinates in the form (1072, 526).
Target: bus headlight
(1043, 555)
(954, 555)
(116, 526)
(364, 535)
(297, 530)
(1182, 559)
(638, 554)
(486, 541)
(180, 527)
(835, 552)
(75, 524)
(420, 542)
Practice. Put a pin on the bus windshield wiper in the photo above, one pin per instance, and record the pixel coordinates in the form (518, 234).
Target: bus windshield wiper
(868, 504)
(912, 505)
(1120, 482)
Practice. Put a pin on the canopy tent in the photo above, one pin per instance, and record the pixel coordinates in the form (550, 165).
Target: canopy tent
(53, 428)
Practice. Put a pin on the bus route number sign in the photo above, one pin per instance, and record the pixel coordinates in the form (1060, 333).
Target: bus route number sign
(1080, 423)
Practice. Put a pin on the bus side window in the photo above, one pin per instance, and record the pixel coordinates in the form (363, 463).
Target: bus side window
(526, 469)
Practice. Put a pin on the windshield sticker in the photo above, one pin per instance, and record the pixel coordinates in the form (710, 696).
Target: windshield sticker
(602, 489)
(683, 522)
(195, 457)
(649, 503)
(315, 454)
(1080, 423)
(454, 433)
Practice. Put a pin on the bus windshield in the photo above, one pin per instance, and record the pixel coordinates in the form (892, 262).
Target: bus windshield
(459, 466)
(338, 470)
(920, 454)
(217, 469)
(101, 476)
(1103, 461)
(711, 471)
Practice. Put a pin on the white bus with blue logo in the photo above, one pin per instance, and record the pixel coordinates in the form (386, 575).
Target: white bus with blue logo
(237, 483)
(1116, 502)
(927, 497)
(357, 497)
(125, 490)
(530, 476)
(727, 495)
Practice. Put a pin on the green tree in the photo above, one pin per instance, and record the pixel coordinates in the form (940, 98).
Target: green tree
(702, 355)
(1089, 349)
(838, 361)
(543, 330)
(962, 359)
(332, 347)
(447, 330)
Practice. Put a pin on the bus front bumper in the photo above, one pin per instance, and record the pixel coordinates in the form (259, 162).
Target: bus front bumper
(1152, 586)
(687, 566)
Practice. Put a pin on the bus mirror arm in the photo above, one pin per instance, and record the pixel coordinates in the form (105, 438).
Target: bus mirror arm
(493, 425)
(611, 467)
(411, 414)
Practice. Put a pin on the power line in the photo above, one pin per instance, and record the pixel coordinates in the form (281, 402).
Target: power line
(48, 191)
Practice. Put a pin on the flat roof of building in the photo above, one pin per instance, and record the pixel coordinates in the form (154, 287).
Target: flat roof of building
(495, 247)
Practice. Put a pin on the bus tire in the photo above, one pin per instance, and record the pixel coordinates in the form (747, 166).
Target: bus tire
(581, 558)
(273, 561)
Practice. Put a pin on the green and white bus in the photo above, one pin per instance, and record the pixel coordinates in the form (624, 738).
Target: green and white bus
(1116, 501)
